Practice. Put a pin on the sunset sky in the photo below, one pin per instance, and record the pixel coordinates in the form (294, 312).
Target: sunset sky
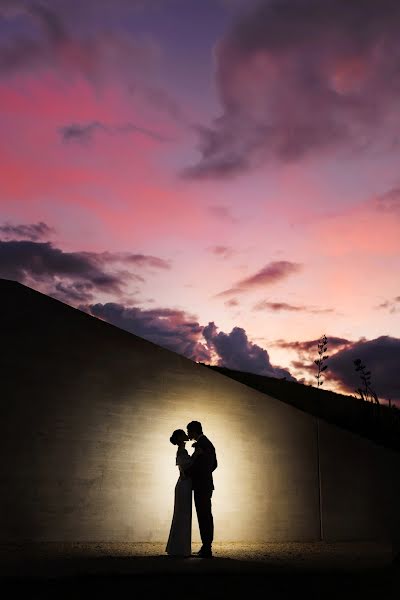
(220, 177)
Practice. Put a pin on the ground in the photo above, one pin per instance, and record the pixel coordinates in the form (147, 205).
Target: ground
(320, 570)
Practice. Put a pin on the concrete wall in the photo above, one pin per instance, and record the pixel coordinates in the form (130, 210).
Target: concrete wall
(360, 490)
(87, 411)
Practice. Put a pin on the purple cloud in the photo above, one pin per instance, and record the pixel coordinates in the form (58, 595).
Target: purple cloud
(140, 260)
(69, 276)
(181, 332)
(302, 77)
(61, 36)
(284, 306)
(80, 132)
(222, 251)
(171, 329)
(33, 232)
(382, 358)
(41, 262)
(83, 132)
(235, 351)
(271, 273)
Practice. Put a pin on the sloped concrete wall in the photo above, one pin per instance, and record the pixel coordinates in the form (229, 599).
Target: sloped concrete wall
(87, 411)
(360, 490)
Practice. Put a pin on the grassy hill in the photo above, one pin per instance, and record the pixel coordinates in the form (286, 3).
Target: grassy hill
(378, 423)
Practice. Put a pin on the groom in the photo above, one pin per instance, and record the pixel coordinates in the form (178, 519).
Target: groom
(203, 485)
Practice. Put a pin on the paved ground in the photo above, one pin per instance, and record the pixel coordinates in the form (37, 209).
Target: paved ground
(321, 570)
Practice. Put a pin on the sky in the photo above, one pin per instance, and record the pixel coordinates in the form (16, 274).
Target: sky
(217, 176)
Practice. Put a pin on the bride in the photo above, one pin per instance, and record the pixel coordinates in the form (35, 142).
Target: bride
(180, 536)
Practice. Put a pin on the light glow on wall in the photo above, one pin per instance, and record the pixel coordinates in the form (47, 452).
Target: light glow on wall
(231, 494)
(158, 473)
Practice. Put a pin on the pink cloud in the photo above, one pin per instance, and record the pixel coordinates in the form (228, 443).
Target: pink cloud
(271, 273)
(285, 306)
(232, 302)
(222, 251)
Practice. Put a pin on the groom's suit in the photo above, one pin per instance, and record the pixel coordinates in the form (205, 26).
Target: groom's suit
(203, 485)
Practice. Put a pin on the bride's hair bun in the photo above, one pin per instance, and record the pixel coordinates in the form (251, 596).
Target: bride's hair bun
(174, 439)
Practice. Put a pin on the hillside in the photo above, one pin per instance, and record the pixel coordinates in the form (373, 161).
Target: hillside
(380, 424)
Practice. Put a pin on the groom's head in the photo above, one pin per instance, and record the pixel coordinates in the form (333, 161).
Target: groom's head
(194, 430)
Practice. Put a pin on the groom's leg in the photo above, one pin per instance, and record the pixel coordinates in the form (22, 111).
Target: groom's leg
(202, 500)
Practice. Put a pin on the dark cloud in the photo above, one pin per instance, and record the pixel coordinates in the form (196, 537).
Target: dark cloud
(271, 273)
(68, 36)
(27, 261)
(234, 351)
(74, 292)
(71, 276)
(181, 332)
(301, 77)
(79, 132)
(284, 306)
(83, 132)
(33, 232)
(381, 356)
(48, 20)
(172, 329)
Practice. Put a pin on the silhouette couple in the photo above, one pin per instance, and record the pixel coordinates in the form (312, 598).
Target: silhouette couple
(195, 474)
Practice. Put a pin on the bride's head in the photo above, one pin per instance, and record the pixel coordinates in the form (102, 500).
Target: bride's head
(179, 437)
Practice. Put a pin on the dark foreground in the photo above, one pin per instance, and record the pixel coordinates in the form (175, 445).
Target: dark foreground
(143, 570)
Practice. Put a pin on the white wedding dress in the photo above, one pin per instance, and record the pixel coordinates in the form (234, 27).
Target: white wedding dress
(180, 536)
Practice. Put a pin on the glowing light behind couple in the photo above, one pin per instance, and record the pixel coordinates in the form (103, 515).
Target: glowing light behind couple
(266, 483)
(230, 498)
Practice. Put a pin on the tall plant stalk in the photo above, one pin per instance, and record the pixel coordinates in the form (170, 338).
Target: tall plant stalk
(322, 348)
(366, 393)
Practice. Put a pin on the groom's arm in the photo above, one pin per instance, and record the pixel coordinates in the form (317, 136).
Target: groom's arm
(197, 466)
(205, 462)
(215, 462)
(198, 459)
